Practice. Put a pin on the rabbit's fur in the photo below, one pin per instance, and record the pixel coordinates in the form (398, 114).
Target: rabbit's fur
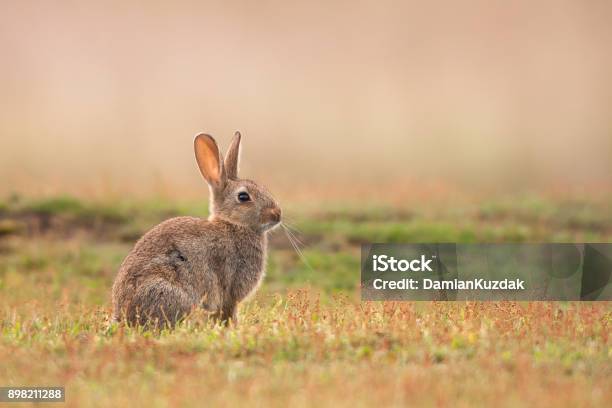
(187, 262)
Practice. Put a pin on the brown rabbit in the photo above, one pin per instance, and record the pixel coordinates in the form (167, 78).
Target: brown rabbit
(188, 262)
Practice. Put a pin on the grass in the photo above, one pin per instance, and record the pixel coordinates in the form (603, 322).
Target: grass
(305, 339)
(296, 350)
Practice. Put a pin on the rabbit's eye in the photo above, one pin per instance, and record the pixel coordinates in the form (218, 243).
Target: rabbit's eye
(243, 197)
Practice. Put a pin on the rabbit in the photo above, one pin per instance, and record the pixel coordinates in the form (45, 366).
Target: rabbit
(188, 262)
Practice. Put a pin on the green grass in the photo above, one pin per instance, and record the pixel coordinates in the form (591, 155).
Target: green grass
(305, 339)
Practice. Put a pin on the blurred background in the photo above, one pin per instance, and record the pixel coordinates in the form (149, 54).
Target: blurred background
(331, 96)
(481, 121)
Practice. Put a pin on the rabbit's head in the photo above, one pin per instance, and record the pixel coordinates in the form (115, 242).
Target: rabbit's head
(238, 201)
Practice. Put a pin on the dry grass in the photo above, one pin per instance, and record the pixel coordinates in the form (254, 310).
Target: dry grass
(298, 351)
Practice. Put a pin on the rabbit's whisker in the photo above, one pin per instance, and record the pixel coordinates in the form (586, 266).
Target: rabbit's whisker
(295, 237)
(294, 232)
(295, 246)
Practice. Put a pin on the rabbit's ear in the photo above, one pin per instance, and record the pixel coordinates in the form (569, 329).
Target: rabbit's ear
(209, 159)
(232, 157)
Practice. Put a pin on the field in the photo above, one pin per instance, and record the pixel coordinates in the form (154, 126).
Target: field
(305, 339)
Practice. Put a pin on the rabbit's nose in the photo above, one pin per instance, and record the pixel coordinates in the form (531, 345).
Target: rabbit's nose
(274, 214)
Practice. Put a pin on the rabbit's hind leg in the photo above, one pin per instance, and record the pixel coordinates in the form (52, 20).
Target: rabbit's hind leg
(159, 303)
(229, 314)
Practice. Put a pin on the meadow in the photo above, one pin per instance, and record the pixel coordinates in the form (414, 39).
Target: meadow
(305, 339)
